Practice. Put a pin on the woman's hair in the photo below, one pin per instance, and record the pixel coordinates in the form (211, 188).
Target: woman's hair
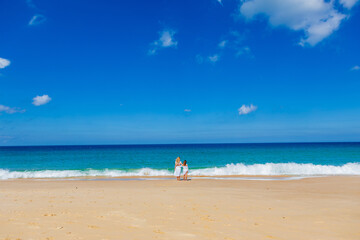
(177, 160)
(184, 163)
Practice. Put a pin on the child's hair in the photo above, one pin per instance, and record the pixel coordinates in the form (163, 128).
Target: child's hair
(177, 160)
(184, 163)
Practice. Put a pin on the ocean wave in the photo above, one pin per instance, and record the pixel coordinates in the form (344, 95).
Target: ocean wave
(6, 174)
(280, 169)
(268, 169)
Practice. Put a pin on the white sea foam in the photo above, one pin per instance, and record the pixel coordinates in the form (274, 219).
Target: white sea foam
(280, 169)
(268, 169)
(5, 174)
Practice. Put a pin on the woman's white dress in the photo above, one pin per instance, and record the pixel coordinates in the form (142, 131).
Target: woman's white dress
(177, 171)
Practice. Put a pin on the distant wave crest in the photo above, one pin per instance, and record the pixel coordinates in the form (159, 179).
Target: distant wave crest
(268, 169)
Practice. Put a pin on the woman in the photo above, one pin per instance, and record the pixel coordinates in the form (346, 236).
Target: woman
(177, 168)
(185, 170)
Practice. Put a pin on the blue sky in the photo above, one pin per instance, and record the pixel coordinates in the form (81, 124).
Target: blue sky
(116, 72)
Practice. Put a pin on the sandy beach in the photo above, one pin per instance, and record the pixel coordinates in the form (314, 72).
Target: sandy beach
(312, 208)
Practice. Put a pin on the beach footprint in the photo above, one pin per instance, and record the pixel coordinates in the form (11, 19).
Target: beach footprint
(158, 231)
(33, 225)
(49, 215)
(93, 227)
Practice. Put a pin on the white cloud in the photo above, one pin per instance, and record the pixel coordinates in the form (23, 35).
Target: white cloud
(10, 110)
(187, 110)
(37, 19)
(244, 50)
(165, 40)
(31, 4)
(317, 19)
(348, 3)
(235, 42)
(214, 58)
(4, 63)
(246, 109)
(222, 44)
(41, 100)
(152, 51)
(355, 68)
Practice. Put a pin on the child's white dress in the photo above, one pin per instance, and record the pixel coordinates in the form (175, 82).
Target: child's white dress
(185, 169)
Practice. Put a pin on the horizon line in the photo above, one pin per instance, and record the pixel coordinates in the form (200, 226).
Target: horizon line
(152, 144)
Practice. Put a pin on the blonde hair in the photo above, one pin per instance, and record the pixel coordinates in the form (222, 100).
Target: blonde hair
(177, 160)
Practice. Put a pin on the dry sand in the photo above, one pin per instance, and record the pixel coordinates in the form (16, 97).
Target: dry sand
(314, 208)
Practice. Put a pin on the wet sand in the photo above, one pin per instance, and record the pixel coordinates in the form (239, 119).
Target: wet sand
(311, 208)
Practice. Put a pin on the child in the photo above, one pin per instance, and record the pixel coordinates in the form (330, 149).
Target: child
(185, 170)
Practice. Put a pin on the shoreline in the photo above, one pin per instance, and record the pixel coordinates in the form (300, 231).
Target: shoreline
(163, 178)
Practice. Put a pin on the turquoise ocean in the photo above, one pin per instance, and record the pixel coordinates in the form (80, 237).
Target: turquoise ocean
(298, 159)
